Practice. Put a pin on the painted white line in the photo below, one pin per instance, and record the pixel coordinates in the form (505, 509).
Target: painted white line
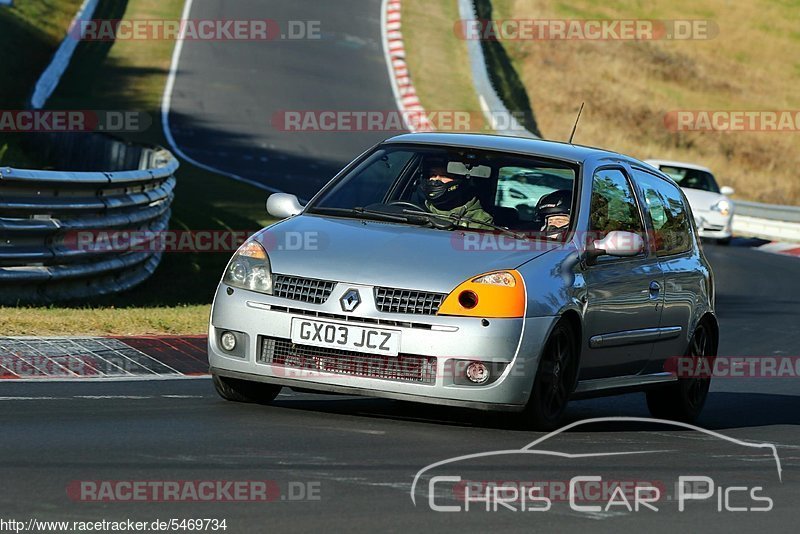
(107, 397)
(104, 397)
(142, 378)
(29, 398)
(166, 101)
(352, 430)
(784, 249)
(51, 76)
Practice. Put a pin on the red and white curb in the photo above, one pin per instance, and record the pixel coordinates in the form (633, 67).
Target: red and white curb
(103, 358)
(405, 94)
(785, 249)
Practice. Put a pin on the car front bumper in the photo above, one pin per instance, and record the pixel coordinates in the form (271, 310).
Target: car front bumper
(447, 343)
(714, 225)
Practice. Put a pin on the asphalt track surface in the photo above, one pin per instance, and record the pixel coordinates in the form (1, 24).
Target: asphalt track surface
(229, 97)
(362, 454)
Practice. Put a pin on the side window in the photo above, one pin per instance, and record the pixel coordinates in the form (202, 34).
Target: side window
(671, 225)
(613, 205)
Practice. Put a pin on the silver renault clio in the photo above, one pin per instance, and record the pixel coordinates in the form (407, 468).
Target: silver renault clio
(478, 271)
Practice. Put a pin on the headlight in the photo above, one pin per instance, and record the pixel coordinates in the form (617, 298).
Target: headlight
(723, 206)
(249, 269)
(491, 295)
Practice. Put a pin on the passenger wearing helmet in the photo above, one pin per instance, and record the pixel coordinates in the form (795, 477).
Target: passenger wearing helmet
(553, 209)
(452, 195)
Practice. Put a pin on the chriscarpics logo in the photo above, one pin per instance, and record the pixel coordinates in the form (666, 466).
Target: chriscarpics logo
(599, 468)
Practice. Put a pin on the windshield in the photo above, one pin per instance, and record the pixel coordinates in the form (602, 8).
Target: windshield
(482, 189)
(692, 178)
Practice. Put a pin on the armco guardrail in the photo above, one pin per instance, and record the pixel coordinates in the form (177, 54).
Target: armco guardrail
(767, 221)
(41, 212)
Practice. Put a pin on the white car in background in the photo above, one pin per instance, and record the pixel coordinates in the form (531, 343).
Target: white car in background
(713, 210)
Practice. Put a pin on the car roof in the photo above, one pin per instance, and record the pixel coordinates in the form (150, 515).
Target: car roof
(520, 145)
(657, 162)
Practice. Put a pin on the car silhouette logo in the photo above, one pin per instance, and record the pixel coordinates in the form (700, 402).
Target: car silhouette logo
(350, 300)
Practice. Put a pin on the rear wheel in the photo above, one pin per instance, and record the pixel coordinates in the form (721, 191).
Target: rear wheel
(555, 379)
(236, 390)
(684, 400)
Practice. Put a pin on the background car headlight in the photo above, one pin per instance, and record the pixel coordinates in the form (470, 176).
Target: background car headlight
(495, 294)
(723, 206)
(249, 269)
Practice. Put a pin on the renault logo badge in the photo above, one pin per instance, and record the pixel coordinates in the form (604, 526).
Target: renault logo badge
(350, 300)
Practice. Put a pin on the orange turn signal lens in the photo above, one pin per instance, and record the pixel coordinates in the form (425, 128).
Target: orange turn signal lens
(492, 295)
(252, 249)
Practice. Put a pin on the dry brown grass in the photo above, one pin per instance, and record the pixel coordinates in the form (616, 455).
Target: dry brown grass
(752, 64)
(59, 321)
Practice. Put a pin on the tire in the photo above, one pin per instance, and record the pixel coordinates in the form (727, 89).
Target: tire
(684, 400)
(725, 241)
(236, 390)
(555, 380)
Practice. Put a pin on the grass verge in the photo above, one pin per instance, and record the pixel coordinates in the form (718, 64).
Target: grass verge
(30, 32)
(628, 87)
(130, 75)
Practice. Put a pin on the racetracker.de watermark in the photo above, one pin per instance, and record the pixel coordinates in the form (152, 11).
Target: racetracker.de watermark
(393, 120)
(707, 120)
(73, 120)
(192, 241)
(585, 29)
(734, 367)
(195, 30)
(123, 491)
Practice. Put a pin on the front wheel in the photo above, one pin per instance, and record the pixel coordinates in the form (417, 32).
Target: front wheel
(684, 400)
(236, 390)
(554, 380)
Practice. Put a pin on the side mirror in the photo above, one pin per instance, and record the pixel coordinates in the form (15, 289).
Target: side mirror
(727, 190)
(617, 243)
(283, 205)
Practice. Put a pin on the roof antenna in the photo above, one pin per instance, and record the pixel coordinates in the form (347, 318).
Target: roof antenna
(575, 127)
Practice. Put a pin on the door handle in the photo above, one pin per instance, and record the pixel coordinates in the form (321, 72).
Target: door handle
(655, 289)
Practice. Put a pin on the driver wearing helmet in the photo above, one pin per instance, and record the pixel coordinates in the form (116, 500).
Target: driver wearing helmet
(554, 209)
(451, 195)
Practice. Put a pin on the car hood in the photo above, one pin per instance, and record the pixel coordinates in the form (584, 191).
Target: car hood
(387, 254)
(701, 200)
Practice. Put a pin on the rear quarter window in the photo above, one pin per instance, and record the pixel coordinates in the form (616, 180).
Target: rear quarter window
(672, 228)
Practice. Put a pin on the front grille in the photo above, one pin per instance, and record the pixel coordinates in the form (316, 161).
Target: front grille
(402, 368)
(302, 289)
(391, 300)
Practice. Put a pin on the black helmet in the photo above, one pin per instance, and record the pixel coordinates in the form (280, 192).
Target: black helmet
(444, 196)
(555, 203)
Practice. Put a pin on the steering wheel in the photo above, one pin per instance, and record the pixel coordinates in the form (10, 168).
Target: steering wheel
(403, 203)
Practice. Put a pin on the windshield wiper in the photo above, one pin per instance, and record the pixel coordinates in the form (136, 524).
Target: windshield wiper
(362, 213)
(380, 214)
(454, 221)
(372, 214)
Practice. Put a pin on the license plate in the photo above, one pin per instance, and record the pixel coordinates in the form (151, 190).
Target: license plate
(347, 337)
